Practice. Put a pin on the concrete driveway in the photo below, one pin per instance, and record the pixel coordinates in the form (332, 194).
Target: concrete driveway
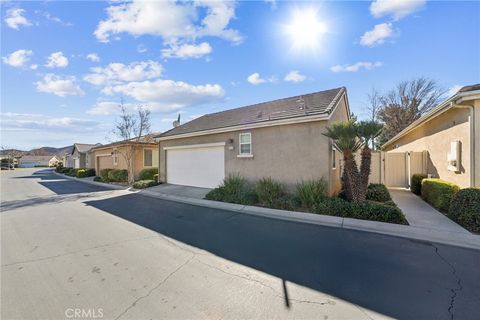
(71, 249)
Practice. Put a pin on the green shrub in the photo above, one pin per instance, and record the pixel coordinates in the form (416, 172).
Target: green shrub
(118, 175)
(367, 210)
(416, 184)
(234, 189)
(268, 191)
(309, 193)
(81, 173)
(104, 174)
(142, 184)
(148, 174)
(58, 167)
(465, 209)
(378, 192)
(438, 193)
(98, 179)
(155, 177)
(72, 172)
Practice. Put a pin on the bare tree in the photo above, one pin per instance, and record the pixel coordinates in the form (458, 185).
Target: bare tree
(407, 102)
(132, 129)
(373, 108)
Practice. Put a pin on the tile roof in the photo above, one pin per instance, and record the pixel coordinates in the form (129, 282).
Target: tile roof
(83, 147)
(470, 88)
(293, 107)
(35, 158)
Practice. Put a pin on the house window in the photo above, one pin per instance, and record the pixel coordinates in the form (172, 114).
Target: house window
(147, 157)
(245, 141)
(115, 157)
(334, 159)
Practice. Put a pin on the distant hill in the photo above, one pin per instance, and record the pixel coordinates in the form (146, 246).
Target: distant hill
(45, 151)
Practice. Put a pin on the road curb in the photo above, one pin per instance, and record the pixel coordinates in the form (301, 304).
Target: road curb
(100, 184)
(408, 232)
(462, 240)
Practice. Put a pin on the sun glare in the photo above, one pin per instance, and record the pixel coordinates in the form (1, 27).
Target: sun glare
(305, 29)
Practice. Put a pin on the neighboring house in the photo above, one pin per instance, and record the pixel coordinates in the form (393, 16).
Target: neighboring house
(281, 139)
(450, 136)
(112, 156)
(54, 161)
(34, 161)
(68, 161)
(81, 156)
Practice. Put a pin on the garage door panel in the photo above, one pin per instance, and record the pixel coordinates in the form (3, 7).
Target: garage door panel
(198, 167)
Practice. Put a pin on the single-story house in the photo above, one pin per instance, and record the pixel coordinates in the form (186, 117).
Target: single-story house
(34, 161)
(54, 161)
(450, 135)
(81, 155)
(113, 155)
(282, 139)
(68, 161)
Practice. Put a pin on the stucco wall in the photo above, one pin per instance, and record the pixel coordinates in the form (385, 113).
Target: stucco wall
(477, 143)
(107, 162)
(340, 114)
(436, 136)
(288, 153)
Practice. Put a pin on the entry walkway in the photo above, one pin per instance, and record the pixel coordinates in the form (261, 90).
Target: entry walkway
(180, 191)
(421, 214)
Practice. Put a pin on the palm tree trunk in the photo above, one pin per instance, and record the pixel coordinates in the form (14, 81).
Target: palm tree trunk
(365, 170)
(351, 177)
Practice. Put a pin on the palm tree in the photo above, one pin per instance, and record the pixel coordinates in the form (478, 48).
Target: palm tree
(367, 131)
(344, 136)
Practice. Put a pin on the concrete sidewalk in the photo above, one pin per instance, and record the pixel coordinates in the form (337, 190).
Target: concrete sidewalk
(421, 214)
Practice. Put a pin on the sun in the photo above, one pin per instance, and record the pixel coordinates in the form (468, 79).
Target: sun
(306, 29)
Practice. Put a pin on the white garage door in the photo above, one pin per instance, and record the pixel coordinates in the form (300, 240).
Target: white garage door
(198, 166)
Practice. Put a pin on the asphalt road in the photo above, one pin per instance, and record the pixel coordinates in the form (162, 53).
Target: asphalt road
(76, 251)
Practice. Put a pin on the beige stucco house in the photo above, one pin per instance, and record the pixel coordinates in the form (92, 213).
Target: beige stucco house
(450, 135)
(281, 139)
(81, 156)
(112, 156)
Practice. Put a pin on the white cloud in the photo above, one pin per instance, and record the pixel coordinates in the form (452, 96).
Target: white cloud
(256, 79)
(52, 18)
(187, 51)
(378, 35)
(170, 20)
(93, 57)
(168, 95)
(397, 9)
(34, 66)
(57, 60)
(454, 89)
(294, 76)
(15, 18)
(115, 73)
(58, 85)
(105, 108)
(141, 48)
(18, 59)
(27, 121)
(355, 67)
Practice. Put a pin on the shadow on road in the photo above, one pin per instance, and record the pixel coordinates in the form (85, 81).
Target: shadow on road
(395, 277)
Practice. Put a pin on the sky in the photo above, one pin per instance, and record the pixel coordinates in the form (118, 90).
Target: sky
(67, 65)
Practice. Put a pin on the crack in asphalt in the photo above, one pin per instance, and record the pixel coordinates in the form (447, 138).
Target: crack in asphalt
(77, 251)
(453, 290)
(156, 287)
(276, 293)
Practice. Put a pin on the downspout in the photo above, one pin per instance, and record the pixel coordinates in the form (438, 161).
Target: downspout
(472, 140)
